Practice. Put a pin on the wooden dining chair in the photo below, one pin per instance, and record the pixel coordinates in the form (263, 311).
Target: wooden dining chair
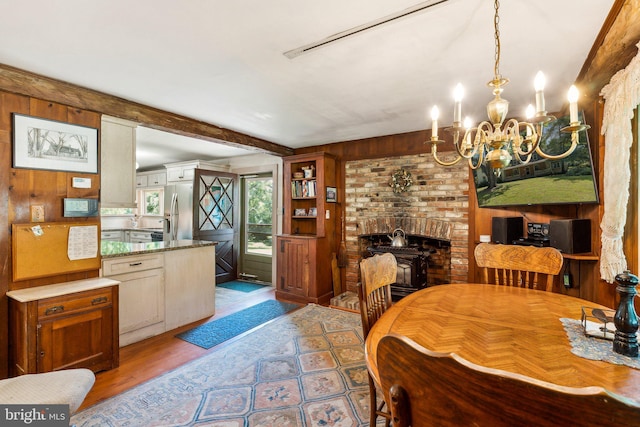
(521, 266)
(374, 294)
(426, 388)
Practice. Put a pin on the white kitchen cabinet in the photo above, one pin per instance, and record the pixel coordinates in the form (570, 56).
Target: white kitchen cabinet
(190, 279)
(139, 236)
(157, 179)
(185, 171)
(117, 163)
(151, 179)
(141, 181)
(112, 235)
(142, 295)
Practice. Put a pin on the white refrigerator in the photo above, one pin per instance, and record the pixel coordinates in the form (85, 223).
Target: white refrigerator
(178, 212)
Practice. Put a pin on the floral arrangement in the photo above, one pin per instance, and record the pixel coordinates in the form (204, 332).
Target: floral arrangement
(400, 181)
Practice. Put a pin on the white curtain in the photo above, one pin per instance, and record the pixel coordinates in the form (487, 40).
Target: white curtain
(622, 96)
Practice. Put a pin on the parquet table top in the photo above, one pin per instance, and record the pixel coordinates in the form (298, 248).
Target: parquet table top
(514, 329)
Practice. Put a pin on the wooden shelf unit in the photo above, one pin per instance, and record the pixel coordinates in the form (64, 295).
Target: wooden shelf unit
(304, 248)
(314, 189)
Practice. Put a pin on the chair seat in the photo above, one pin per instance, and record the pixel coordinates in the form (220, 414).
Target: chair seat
(60, 387)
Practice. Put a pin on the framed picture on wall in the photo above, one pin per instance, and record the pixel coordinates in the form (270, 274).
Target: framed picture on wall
(52, 145)
(332, 195)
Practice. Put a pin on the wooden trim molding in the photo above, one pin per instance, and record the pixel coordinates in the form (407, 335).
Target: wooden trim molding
(37, 86)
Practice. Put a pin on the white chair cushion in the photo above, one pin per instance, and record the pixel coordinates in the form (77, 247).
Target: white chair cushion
(68, 386)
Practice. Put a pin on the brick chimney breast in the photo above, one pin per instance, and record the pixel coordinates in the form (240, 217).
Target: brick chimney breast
(435, 206)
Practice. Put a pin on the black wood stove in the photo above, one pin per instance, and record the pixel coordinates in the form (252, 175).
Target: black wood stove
(412, 267)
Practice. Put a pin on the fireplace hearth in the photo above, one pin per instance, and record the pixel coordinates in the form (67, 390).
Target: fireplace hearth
(413, 260)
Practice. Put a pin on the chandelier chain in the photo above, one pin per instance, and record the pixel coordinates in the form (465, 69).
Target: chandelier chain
(496, 23)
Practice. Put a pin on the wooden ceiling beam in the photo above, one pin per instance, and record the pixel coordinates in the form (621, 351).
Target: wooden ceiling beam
(34, 85)
(613, 48)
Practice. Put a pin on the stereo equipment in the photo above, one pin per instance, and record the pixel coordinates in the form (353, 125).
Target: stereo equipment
(537, 231)
(571, 236)
(506, 230)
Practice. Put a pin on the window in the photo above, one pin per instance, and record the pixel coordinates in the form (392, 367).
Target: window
(259, 211)
(151, 201)
(116, 211)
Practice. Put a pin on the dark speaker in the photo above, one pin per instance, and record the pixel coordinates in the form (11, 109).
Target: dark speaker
(571, 236)
(506, 229)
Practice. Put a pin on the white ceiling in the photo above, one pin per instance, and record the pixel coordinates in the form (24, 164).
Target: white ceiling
(223, 61)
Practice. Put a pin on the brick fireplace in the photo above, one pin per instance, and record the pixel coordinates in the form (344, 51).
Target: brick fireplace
(434, 207)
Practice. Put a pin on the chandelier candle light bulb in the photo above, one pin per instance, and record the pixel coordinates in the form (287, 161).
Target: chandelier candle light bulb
(529, 113)
(458, 94)
(538, 84)
(435, 113)
(573, 104)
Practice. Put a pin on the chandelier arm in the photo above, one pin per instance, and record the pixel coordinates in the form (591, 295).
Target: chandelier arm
(485, 129)
(574, 143)
(526, 160)
(533, 136)
(478, 163)
(465, 153)
(434, 149)
(512, 131)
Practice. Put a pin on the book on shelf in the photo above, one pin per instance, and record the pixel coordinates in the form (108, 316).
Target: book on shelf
(303, 188)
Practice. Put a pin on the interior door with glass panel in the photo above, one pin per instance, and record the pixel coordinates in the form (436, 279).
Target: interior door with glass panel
(257, 229)
(215, 218)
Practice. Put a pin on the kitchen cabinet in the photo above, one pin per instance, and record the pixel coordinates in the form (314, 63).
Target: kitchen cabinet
(185, 171)
(142, 294)
(117, 163)
(151, 179)
(112, 235)
(141, 181)
(127, 236)
(190, 277)
(62, 326)
(139, 236)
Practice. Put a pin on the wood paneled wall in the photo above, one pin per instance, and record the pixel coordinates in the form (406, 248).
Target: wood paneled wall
(612, 51)
(22, 188)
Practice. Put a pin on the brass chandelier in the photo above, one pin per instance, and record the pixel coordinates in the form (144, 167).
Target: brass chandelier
(496, 141)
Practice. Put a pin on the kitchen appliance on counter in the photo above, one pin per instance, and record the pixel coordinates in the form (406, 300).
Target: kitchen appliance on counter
(178, 212)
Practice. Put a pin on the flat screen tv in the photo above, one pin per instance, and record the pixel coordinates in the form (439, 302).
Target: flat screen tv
(541, 181)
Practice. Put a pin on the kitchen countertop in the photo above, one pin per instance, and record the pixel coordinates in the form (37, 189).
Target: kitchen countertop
(116, 249)
(132, 229)
(50, 291)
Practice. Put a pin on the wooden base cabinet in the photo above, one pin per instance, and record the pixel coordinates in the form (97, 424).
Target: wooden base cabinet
(303, 276)
(73, 330)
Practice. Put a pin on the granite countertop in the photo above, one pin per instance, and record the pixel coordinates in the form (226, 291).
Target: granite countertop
(116, 249)
(131, 229)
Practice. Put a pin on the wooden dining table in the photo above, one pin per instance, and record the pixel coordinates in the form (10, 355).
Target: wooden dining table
(513, 329)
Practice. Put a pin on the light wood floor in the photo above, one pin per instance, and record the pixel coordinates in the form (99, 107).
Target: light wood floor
(144, 360)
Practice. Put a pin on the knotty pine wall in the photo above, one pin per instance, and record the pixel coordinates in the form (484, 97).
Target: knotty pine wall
(21, 188)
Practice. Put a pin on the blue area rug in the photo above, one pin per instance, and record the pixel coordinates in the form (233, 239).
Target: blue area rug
(213, 333)
(238, 285)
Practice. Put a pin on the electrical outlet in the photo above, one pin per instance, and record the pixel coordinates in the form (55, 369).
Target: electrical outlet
(37, 213)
